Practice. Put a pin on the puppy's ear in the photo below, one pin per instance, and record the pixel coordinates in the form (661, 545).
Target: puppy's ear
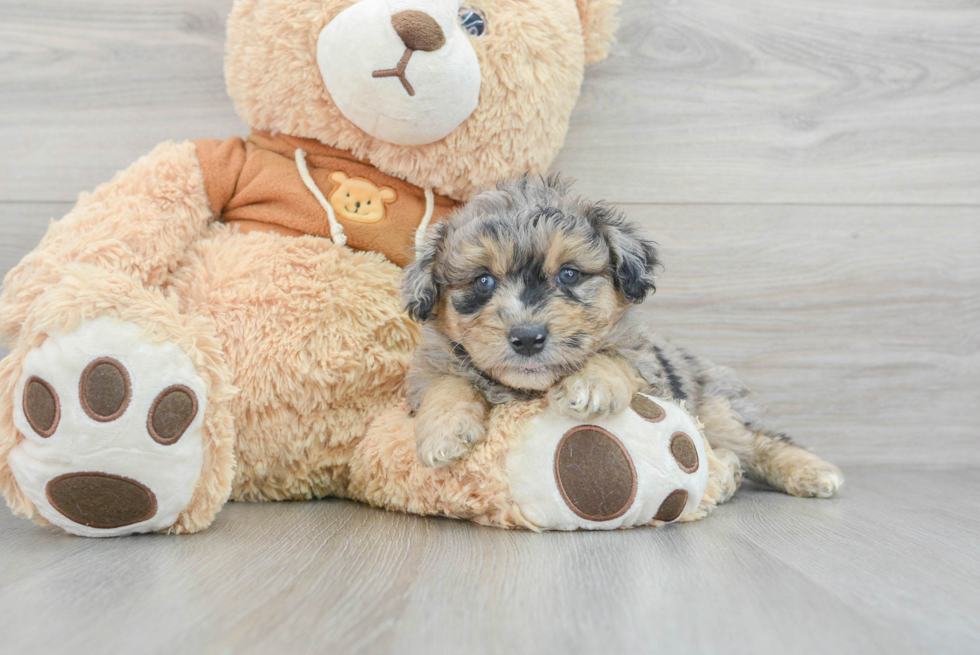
(420, 289)
(633, 259)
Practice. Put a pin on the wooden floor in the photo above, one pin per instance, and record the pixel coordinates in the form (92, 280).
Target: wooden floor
(812, 173)
(890, 567)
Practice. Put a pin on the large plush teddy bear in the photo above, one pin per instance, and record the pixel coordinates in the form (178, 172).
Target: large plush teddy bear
(222, 319)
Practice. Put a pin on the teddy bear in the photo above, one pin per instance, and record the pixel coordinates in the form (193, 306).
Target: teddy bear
(222, 319)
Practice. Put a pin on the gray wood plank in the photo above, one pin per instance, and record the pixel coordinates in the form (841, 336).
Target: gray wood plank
(758, 101)
(766, 101)
(858, 326)
(21, 227)
(765, 574)
(87, 87)
(899, 531)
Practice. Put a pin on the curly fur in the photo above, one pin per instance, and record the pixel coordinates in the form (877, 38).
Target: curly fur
(594, 359)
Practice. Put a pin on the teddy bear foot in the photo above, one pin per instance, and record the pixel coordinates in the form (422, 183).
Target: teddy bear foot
(646, 465)
(113, 429)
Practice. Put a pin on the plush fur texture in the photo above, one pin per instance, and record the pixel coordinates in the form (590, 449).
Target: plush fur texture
(385, 471)
(532, 60)
(138, 224)
(301, 343)
(111, 257)
(86, 292)
(318, 343)
(599, 26)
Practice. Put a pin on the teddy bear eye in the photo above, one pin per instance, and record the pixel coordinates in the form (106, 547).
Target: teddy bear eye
(472, 21)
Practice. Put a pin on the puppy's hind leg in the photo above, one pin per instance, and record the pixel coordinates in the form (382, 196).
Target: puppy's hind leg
(767, 457)
(734, 420)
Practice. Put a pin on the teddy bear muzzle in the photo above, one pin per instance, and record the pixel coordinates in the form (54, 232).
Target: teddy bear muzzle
(403, 71)
(419, 32)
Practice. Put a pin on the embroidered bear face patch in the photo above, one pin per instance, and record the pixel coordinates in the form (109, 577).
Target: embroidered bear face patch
(357, 199)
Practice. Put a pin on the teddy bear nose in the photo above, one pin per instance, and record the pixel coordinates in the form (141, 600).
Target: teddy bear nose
(418, 30)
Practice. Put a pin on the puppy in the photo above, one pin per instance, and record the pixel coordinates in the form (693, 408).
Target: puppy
(530, 290)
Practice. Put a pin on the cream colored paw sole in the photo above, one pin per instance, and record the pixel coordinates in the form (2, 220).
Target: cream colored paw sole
(113, 430)
(645, 464)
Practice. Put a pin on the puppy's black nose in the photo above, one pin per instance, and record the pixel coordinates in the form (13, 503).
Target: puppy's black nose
(528, 339)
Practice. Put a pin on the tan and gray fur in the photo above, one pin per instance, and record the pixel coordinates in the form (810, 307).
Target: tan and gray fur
(506, 320)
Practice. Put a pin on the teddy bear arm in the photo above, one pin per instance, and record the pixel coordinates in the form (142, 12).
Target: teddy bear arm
(138, 224)
(451, 419)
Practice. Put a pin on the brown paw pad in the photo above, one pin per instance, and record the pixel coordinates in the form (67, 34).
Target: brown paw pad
(105, 389)
(41, 406)
(648, 409)
(672, 507)
(684, 451)
(595, 473)
(172, 413)
(101, 500)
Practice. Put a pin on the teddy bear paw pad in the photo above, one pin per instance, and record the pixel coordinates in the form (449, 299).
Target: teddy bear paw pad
(113, 430)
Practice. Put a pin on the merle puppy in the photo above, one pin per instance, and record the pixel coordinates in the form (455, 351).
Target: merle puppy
(530, 290)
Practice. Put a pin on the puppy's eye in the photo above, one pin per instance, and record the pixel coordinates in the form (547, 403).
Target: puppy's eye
(472, 21)
(569, 276)
(485, 283)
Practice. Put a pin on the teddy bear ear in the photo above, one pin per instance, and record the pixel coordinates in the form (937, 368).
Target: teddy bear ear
(338, 176)
(599, 23)
(388, 194)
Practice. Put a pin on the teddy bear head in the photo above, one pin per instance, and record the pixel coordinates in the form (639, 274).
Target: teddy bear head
(446, 94)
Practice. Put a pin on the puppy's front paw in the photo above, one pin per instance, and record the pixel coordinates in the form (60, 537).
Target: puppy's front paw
(584, 395)
(447, 439)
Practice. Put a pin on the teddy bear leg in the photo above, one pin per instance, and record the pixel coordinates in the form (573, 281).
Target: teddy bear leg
(114, 412)
(385, 471)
